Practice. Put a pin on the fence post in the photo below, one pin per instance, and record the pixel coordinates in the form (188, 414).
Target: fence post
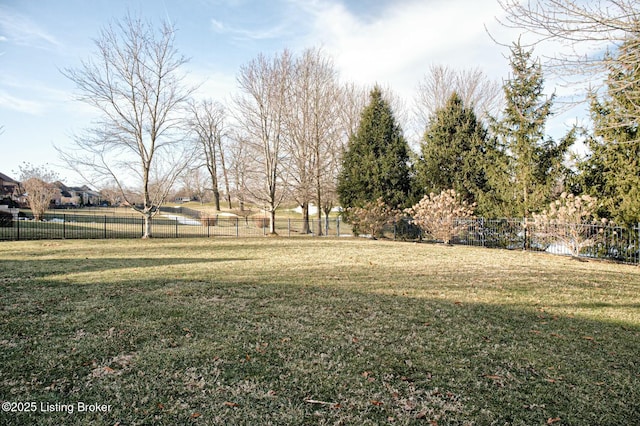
(105, 226)
(64, 226)
(18, 226)
(176, 227)
(637, 245)
(237, 233)
(338, 226)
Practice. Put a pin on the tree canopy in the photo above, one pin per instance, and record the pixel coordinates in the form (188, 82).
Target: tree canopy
(376, 162)
(611, 171)
(457, 153)
(533, 163)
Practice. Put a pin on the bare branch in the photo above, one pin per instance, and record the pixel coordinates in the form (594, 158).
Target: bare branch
(134, 81)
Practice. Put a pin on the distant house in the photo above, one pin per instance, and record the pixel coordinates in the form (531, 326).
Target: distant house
(76, 196)
(9, 188)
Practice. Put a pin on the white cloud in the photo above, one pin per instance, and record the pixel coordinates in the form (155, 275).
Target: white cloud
(14, 103)
(397, 46)
(211, 84)
(23, 31)
(246, 34)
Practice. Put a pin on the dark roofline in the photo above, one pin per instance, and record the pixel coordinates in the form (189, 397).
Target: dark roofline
(8, 179)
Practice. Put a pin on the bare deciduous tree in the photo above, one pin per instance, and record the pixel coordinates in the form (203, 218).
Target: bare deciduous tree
(261, 109)
(352, 100)
(38, 184)
(135, 83)
(476, 90)
(207, 121)
(195, 184)
(312, 118)
(111, 194)
(239, 164)
(590, 31)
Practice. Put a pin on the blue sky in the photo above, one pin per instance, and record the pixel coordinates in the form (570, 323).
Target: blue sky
(390, 42)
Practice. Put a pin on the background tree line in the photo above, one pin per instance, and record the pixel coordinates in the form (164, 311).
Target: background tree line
(295, 132)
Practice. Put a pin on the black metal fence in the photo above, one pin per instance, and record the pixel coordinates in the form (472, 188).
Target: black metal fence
(615, 243)
(174, 223)
(620, 244)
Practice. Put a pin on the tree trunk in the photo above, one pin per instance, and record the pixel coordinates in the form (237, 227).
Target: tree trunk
(225, 173)
(305, 217)
(272, 222)
(319, 205)
(147, 225)
(216, 198)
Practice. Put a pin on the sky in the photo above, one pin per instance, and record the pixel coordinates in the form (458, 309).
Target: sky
(388, 42)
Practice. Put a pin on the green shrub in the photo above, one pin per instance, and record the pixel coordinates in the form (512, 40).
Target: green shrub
(6, 219)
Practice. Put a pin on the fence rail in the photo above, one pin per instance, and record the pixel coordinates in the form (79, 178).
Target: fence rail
(172, 224)
(615, 243)
(620, 244)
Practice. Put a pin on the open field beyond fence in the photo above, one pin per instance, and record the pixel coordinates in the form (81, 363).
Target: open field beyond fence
(313, 331)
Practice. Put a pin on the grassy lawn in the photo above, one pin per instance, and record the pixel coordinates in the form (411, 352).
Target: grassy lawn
(315, 331)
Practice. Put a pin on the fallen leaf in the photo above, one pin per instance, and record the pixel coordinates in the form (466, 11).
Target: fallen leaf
(195, 415)
(553, 420)
(488, 376)
(231, 404)
(377, 403)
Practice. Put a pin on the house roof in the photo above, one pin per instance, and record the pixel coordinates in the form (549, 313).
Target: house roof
(7, 179)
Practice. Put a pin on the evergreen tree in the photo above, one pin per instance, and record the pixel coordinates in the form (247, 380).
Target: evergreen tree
(611, 171)
(533, 164)
(457, 153)
(376, 162)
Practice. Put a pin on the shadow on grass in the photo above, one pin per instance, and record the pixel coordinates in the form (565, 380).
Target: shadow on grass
(217, 351)
(43, 268)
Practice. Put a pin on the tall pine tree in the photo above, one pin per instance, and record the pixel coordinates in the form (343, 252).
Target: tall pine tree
(533, 164)
(457, 153)
(611, 171)
(376, 162)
